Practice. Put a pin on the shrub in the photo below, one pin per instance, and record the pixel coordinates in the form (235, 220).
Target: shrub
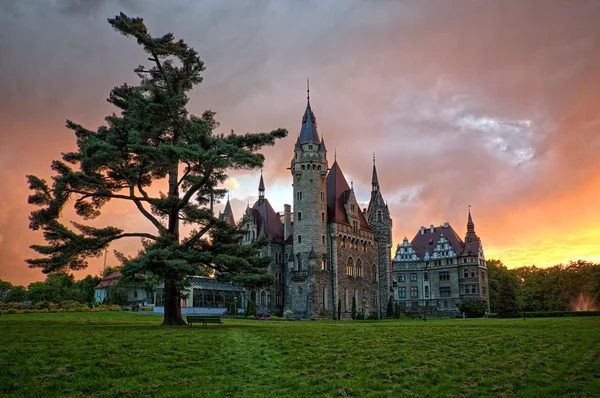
(374, 315)
(354, 308)
(554, 314)
(252, 317)
(276, 318)
(289, 314)
(149, 308)
(473, 308)
(68, 304)
(359, 316)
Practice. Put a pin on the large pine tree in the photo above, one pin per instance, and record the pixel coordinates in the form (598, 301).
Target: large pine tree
(153, 139)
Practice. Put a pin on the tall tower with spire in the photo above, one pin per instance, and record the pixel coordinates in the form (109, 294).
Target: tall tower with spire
(309, 171)
(378, 216)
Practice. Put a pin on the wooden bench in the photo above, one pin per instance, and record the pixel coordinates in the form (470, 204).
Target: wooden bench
(204, 319)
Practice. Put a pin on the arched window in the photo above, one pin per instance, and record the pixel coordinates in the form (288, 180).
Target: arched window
(374, 273)
(358, 268)
(263, 298)
(303, 167)
(278, 298)
(379, 216)
(314, 166)
(343, 241)
(319, 168)
(350, 267)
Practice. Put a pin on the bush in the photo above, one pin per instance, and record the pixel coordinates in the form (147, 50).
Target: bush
(149, 308)
(374, 315)
(289, 314)
(473, 308)
(359, 316)
(555, 314)
(69, 304)
(252, 317)
(276, 318)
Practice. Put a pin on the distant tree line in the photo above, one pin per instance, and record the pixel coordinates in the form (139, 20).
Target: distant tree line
(62, 287)
(56, 288)
(575, 286)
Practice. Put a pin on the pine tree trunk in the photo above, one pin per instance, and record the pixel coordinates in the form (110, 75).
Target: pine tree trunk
(173, 286)
(172, 298)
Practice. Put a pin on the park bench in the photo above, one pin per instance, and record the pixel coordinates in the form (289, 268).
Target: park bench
(204, 319)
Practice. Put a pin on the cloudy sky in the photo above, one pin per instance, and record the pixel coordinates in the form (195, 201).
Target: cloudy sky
(494, 104)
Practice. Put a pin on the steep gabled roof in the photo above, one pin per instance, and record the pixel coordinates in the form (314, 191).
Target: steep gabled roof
(267, 221)
(338, 193)
(428, 240)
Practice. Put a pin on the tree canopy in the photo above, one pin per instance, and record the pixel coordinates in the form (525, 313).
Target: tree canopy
(154, 138)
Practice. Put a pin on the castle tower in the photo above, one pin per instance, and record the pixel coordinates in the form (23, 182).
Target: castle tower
(378, 216)
(309, 170)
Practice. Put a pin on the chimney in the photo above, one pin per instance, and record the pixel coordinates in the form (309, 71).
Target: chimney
(431, 228)
(287, 223)
(422, 230)
(446, 224)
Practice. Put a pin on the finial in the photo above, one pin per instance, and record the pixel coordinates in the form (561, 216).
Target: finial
(307, 89)
(335, 154)
(352, 184)
(228, 196)
(469, 208)
(373, 157)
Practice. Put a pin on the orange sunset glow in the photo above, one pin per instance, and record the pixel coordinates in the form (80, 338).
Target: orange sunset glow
(492, 104)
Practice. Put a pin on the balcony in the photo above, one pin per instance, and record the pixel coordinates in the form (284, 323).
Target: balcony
(299, 276)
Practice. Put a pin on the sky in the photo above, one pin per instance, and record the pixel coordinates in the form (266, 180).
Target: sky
(492, 104)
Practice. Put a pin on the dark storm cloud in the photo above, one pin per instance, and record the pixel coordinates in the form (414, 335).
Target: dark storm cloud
(490, 103)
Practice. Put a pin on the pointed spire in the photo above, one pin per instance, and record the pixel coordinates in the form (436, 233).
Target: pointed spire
(374, 180)
(227, 206)
(308, 132)
(261, 186)
(470, 224)
(322, 144)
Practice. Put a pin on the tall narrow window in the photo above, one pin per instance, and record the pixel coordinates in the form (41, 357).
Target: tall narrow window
(323, 239)
(299, 238)
(350, 267)
(278, 298)
(299, 216)
(374, 273)
(322, 196)
(379, 216)
(299, 264)
(322, 217)
(358, 268)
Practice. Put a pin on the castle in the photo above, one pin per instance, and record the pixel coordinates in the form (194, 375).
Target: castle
(437, 269)
(329, 253)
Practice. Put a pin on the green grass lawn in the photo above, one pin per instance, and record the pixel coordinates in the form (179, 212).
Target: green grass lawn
(107, 354)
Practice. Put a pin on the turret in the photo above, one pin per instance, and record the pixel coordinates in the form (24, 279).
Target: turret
(380, 221)
(309, 169)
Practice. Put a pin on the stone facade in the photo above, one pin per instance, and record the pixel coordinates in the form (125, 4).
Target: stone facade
(328, 250)
(437, 269)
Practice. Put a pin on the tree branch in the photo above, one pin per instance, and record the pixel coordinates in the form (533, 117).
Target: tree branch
(192, 241)
(193, 189)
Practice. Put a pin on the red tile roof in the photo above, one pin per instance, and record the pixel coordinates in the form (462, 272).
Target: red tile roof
(267, 221)
(109, 280)
(428, 240)
(338, 193)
